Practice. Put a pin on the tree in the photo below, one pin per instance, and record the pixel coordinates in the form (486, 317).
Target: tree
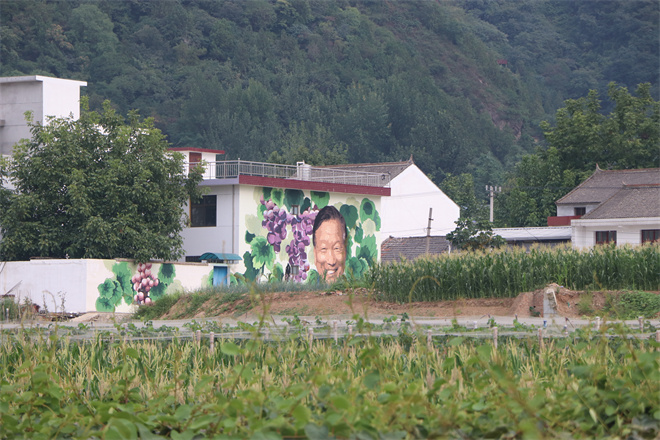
(629, 137)
(473, 235)
(96, 187)
(460, 189)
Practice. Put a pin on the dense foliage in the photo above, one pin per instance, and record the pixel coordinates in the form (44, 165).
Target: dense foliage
(96, 187)
(345, 80)
(367, 388)
(507, 273)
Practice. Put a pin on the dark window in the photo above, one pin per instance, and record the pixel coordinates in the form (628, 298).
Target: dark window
(650, 235)
(204, 212)
(193, 259)
(581, 210)
(603, 237)
(295, 209)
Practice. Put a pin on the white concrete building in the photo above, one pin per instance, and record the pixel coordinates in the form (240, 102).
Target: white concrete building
(43, 96)
(614, 206)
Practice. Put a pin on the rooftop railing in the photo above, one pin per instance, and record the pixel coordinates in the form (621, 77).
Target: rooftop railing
(230, 169)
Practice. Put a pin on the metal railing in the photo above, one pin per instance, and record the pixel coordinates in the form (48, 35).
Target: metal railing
(231, 169)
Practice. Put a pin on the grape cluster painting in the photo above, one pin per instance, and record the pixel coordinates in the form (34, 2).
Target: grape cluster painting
(143, 281)
(280, 235)
(140, 284)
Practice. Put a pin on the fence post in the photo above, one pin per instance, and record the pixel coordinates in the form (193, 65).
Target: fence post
(495, 336)
(350, 329)
(597, 322)
(310, 332)
(212, 341)
(429, 339)
(199, 337)
(641, 324)
(334, 330)
(266, 334)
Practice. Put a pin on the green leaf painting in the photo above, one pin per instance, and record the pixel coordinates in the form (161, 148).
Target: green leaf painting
(320, 198)
(293, 197)
(350, 214)
(368, 211)
(123, 273)
(278, 273)
(263, 253)
(368, 250)
(248, 236)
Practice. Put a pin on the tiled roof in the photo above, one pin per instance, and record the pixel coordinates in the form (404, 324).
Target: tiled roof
(391, 168)
(632, 201)
(393, 249)
(603, 184)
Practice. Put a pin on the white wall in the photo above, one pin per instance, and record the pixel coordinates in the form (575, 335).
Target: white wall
(42, 95)
(568, 210)
(405, 213)
(73, 285)
(224, 236)
(628, 230)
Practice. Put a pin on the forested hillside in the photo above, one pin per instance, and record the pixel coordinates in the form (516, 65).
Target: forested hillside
(462, 86)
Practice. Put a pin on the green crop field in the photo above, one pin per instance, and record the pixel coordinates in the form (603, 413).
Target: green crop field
(592, 384)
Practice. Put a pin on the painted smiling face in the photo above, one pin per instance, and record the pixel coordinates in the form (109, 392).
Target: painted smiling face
(330, 249)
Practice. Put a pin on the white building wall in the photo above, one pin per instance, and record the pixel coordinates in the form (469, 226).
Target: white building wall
(628, 230)
(42, 95)
(73, 285)
(405, 213)
(568, 210)
(224, 236)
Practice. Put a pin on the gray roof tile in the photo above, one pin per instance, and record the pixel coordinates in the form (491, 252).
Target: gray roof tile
(603, 184)
(632, 201)
(393, 249)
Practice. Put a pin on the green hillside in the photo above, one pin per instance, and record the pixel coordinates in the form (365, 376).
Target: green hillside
(461, 85)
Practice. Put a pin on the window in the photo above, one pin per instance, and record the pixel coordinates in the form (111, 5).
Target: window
(580, 210)
(204, 212)
(603, 237)
(295, 209)
(295, 270)
(650, 235)
(193, 259)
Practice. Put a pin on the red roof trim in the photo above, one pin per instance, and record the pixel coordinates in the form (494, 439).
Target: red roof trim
(197, 150)
(313, 186)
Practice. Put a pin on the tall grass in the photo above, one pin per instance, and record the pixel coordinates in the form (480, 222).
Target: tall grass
(508, 272)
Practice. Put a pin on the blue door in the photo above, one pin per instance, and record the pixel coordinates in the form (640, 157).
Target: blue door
(220, 276)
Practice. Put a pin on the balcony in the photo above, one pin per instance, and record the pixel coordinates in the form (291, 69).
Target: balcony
(231, 169)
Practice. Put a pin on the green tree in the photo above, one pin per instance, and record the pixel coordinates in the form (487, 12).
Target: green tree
(460, 189)
(472, 235)
(96, 187)
(629, 137)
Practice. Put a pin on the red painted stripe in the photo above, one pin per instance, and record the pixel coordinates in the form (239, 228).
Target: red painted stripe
(196, 149)
(313, 186)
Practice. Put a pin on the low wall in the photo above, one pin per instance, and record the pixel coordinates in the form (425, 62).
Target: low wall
(88, 285)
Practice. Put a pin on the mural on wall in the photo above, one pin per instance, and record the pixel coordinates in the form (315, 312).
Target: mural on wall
(142, 287)
(303, 238)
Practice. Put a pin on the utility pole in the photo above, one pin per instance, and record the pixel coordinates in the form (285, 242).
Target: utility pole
(428, 232)
(491, 192)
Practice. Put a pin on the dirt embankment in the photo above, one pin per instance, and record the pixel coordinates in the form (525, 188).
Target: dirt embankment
(359, 301)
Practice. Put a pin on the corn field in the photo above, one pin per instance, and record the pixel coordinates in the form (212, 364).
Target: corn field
(398, 387)
(509, 272)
